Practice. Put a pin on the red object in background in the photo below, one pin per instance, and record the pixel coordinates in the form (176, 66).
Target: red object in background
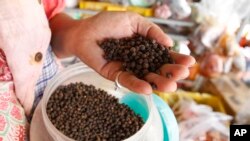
(244, 42)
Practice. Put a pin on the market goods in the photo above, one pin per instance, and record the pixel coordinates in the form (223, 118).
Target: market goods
(211, 66)
(139, 54)
(83, 112)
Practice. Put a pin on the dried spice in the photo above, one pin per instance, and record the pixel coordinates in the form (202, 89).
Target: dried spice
(138, 54)
(83, 112)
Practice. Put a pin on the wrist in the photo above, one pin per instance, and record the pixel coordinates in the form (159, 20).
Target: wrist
(82, 34)
(64, 35)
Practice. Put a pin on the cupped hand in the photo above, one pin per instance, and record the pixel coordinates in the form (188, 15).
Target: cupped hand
(125, 24)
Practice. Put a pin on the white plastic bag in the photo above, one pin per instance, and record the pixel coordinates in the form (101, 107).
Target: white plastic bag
(223, 10)
(180, 8)
(200, 122)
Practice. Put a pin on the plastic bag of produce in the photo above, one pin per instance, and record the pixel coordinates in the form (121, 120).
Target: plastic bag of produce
(200, 123)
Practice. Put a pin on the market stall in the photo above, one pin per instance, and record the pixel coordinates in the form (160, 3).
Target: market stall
(217, 91)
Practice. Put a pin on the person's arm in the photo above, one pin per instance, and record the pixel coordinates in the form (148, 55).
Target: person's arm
(63, 27)
(80, 38)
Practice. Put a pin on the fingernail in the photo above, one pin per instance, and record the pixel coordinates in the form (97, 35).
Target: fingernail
(169, 75)
(170, 42)
(153, 85)
(193, 63)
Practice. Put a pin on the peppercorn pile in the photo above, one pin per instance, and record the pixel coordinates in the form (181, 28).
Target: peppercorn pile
(83, 112)
(139, 54)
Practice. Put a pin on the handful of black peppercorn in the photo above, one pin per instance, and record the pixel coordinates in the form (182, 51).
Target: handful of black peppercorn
(138, 54)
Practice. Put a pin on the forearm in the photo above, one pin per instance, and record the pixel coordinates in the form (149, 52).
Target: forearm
(62, 27)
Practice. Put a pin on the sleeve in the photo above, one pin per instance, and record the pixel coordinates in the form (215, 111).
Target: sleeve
(53, 7)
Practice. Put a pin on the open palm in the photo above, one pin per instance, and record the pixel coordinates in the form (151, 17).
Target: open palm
(124, 24)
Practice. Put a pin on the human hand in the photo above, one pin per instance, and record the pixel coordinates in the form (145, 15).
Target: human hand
(125, 24)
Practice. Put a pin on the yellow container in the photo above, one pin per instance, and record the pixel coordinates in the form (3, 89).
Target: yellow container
(200, 98)
(115, 8)
(147, 12)
(100, 6)
(104, 6)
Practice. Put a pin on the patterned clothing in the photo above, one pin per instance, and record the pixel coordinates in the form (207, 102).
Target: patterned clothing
(50, 69)
(12, 117)
(24, 38)
(24, 58)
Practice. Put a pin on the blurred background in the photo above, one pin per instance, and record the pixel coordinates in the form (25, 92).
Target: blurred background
(217, 34)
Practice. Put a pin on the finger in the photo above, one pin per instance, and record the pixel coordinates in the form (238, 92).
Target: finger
(135, 84)
(148, 29)
(174, 71)
(163, 84)
(126, 79)
(111, 69)
(93, 57)
(154, 32)
(182, 59)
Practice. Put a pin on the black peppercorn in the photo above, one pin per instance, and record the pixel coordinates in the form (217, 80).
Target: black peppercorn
(83, 115)
(138, 53)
